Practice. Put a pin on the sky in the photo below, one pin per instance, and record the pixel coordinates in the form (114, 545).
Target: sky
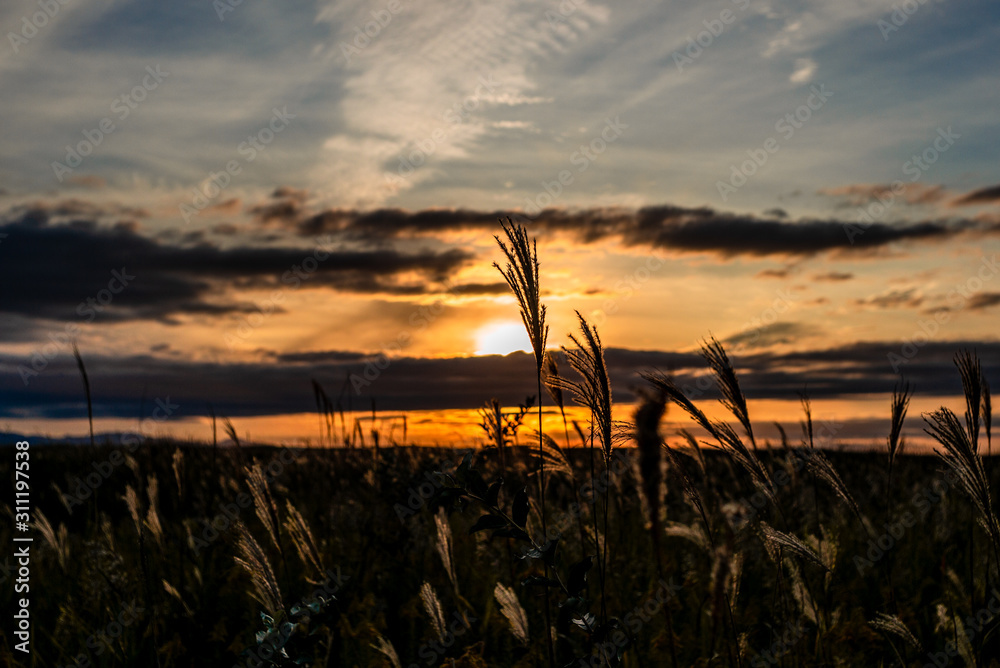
(220, 202)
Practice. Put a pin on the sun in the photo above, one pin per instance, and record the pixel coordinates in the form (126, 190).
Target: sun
(501, 338)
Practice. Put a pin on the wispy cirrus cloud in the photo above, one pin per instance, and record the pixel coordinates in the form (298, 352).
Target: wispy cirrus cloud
(432, 86)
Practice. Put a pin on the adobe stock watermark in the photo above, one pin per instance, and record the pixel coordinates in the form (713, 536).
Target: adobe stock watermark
(915, 168)
(704, 39)
(920, 505)
(425, 491)
(229, 513)
(589, 492)
(102, 640)
(88, 309)
(454, 116)
(419, 320)
(957, 298)
(254, 145)
(751, 506)
(122, 106)
(565, 9)
(433, 651)
(634, 621)
(750, 331)
(290, 280)
(900, 14)
(782, 645)
(625, 288)
(363, 35)
(31, 25)
(786, 126)
(973, 625)
(582, 158)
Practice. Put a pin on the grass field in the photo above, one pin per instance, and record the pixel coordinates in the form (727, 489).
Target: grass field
(145, 571)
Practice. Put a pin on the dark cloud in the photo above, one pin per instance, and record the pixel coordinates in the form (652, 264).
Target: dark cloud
(778, 333)
(834, 276)
(226, 229)
(981, 196)
(321, 356)
(50, 270)
(774, 273)
(670, 228)
(731, 235)
(290, 193)
(893, 299)
(67, 210)
(277, 212)
(283, 386)
(983, 300)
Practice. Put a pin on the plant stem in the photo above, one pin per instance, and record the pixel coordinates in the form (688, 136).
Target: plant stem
(545, 532)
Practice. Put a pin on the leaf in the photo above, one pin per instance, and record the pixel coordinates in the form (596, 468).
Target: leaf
(449, 495)
(487, 522)
(464, 467)
(444, 480)
(570, 609)
(493, 493)
(578, 575)
(520, 512)
(476, 483)
(546, 552)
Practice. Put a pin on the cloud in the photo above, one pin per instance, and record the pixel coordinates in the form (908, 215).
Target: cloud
(859, 194)
(671, 228)
(69, 263)
(893, 299)
(266, 388)
(321, 356)
(805, 68)
(433, 87)
(983, 300)
(774, 273)
(778, 333)
(88, 181)
(230, 206)
(67, 210)
(981, 196)
(833, 276)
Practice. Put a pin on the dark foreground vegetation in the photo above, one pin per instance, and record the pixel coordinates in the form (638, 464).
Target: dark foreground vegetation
(190, 556)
